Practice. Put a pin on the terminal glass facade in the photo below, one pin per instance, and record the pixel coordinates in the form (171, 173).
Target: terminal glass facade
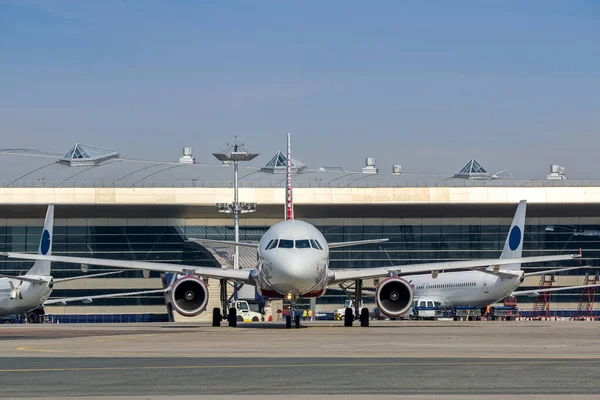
(411, 241)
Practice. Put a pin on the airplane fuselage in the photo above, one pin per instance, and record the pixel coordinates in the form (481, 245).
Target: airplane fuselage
(18, 297)
(293, 259)
(465, 288)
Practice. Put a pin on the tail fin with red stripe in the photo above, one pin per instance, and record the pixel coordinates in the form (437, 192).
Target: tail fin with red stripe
(289, 206)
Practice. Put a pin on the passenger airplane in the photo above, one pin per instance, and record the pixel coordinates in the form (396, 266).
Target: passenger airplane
(486, 286)
(293, 263)
(28, 294)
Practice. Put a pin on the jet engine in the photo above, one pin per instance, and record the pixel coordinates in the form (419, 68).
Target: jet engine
(394, 297)
(189, 296)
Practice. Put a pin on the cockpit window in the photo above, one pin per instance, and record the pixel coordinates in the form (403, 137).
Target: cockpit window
(315, 244)
(286, 244)
(272, 244)
(269, 244)
(302, 244)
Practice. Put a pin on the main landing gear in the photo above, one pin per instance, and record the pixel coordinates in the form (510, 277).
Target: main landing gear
(357, 311)
(230, 316)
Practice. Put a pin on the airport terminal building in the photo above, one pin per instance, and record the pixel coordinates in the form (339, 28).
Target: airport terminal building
(112, 207)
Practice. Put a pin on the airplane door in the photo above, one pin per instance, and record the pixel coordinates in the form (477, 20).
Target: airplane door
(485, 286)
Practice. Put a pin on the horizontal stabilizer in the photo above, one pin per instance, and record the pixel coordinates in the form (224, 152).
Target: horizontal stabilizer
(224, 242)
(553, 271)
(355, 243)
(535, 292)
(23, 278)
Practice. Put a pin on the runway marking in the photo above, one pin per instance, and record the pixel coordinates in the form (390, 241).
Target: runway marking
(69, 346)
(313, 365)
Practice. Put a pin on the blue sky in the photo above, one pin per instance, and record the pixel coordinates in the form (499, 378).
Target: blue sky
(425, 84)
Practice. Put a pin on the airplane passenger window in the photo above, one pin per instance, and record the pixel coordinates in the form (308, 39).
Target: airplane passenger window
(286, 244)
(302, 244)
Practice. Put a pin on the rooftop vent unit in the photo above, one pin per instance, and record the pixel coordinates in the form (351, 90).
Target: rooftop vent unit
(187, 157)
(84, 155)
(397, 169)
(278, 164)
(556, 172)
(370, 167)
(473, 170)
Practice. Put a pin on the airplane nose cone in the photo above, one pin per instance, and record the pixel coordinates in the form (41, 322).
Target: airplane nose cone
(295, 277)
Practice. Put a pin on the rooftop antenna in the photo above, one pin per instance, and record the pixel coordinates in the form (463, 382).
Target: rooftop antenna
(235, 153)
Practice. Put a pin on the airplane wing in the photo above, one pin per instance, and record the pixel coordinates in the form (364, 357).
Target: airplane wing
(239, 275)
(73, 278)
(225, 242)
(341, 275)
(23, 278)
(553, 271)
(90, 299)
(535, 292)
(355, 243)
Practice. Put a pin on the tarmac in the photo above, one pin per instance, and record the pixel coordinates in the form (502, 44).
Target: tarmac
(412, 360)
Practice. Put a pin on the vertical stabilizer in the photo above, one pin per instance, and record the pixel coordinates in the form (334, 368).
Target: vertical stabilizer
(289, 206)
(42, 268)
(513, 247)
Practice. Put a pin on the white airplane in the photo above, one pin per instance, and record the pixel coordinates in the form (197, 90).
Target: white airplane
(484, 286)
(293, 263)
(28, 294)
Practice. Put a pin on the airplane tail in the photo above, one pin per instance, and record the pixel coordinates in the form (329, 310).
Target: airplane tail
(513, 247)
(289, 206)
(42, 268)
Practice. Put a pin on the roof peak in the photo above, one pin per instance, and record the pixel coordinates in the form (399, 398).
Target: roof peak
(278, 163)
(473, 170)
(87, 155)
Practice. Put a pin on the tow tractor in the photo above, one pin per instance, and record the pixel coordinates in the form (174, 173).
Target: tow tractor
(338, 315)
(244, 314)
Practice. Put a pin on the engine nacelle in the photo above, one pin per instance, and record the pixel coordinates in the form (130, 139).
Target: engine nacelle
(189, 296)
(394, 297)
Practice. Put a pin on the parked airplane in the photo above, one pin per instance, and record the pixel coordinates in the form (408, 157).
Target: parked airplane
(485, 286)
(293, 263)
(28, 294)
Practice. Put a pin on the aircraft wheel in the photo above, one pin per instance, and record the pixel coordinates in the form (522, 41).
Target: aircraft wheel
(216, 320)
(348, 317)
(364, 317)
(288, 321)
(232, 317)
(297, 321)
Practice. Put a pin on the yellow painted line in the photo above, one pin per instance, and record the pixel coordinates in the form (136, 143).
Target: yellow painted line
(324, 365)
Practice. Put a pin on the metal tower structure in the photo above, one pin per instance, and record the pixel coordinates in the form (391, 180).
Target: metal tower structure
(541, 305)
(586, 300)
(234, 154)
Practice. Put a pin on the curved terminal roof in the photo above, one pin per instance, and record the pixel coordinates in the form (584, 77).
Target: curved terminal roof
(30, 168)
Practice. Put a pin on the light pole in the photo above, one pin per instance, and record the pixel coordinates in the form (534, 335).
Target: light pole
(234, 154)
